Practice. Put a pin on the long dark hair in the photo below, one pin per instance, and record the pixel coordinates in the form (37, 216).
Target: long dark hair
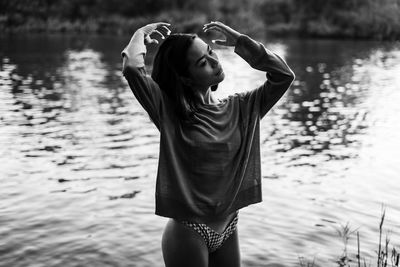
(170, 65)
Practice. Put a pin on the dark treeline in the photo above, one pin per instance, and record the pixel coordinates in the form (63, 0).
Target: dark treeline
(378, 19)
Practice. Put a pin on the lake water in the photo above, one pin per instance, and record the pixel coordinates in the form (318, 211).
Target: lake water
(79, 154)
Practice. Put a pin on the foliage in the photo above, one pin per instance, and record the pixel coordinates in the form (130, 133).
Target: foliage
(377, 19)
(385, 257)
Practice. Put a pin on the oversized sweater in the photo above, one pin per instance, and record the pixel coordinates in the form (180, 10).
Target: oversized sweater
(212, 167)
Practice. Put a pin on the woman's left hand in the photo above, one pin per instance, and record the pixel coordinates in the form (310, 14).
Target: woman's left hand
(230, 34)
(161, 28)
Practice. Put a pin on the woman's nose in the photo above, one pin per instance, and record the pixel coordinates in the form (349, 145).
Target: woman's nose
(214, 61)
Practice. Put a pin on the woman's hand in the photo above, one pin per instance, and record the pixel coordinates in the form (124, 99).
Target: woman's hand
(231, 35)
(161, 28)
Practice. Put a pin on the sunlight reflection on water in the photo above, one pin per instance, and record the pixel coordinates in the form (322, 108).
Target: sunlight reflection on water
(79, 154)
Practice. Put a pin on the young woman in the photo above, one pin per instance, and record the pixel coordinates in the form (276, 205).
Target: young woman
(209, 163)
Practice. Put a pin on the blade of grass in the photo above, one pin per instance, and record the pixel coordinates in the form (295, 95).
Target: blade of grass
(358, 249)
(380, 238)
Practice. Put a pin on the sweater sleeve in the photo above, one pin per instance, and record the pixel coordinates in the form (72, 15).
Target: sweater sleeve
(279, 75)
(145, 89)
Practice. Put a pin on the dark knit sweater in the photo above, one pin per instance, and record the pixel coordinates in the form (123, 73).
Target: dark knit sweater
(212, 167)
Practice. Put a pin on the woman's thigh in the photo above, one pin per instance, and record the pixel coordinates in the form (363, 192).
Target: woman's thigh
(182, 246)
(228, 255)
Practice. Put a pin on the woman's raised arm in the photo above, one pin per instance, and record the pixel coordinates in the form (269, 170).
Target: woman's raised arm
(142, 85)
(279, 75)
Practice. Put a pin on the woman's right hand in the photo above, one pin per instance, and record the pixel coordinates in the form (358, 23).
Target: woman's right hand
(161, 28)
(231, 36)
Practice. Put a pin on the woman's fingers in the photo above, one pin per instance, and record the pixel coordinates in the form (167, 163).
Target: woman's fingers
(216, 24)
(230, 40)
(212, 24)
(230, 34)
(153, 26)
(159, 25)
(220, 27)
(166, 29)
(160, 28)
(219, 42)
(159, 33)
(215, 28)
(163, 24)
(149, 40)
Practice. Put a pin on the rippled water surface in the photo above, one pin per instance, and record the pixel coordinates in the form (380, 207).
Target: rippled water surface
(79, 154)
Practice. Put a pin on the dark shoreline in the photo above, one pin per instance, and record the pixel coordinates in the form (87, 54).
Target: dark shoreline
(118, 25)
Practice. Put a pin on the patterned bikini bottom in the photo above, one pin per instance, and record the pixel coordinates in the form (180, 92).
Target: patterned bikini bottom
(213, 239)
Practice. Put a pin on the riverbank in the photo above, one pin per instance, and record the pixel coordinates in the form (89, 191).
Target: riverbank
(378, 25)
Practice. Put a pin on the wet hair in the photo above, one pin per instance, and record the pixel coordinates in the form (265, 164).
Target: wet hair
(170, 65)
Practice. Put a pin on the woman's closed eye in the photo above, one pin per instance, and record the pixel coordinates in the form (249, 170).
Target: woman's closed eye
(204, 61)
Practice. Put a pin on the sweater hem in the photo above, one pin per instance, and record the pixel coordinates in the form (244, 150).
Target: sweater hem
(176, 209)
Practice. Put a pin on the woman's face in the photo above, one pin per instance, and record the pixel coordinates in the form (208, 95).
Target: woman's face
(204, 67)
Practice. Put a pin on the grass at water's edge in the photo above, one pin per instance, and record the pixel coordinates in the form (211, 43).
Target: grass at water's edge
(386, 257)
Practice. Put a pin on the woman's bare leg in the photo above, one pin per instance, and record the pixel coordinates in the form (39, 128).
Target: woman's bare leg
(228, 255)
(182, 246)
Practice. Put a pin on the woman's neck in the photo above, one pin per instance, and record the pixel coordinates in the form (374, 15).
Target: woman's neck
(206, 97)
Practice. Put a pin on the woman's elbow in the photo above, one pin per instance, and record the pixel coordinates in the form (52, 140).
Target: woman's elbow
(126, 69)
(289, 78)
(125, 64)
(292, 76)
(131, 70)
